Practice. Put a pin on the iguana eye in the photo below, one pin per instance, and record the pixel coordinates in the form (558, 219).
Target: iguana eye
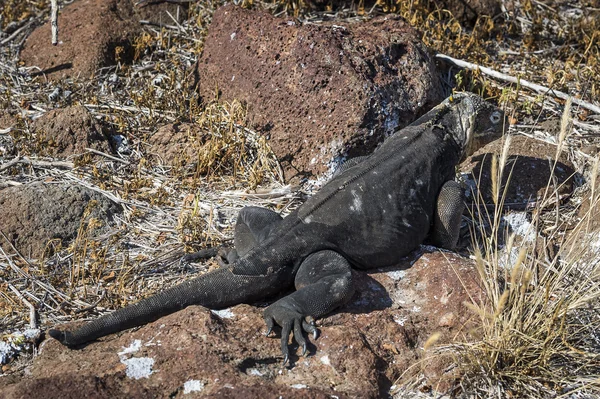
(495, 117)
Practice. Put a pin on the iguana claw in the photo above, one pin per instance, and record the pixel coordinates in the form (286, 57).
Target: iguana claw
(291, 322)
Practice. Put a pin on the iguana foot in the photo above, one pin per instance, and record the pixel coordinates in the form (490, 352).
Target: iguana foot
(323, 282)
(64, 337)
(226, 256)
(289, 316)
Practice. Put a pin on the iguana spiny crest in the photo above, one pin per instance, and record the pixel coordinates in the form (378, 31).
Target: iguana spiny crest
(472, 121)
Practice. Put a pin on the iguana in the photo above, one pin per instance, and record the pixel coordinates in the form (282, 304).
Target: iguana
(369, 215)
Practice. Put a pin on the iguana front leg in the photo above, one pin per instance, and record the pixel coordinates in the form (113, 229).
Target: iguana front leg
(323, 283)
(448, 214)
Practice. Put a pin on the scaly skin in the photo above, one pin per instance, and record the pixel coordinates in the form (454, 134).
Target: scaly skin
(372, 213)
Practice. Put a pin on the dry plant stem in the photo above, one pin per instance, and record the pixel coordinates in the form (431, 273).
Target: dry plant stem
(32, 313)
(107, 155)
(145, 110)
(39, 163)
(54, 22)
(593, 191)
(533, 86)
(144, 3)
(17, 32)
(31, 278)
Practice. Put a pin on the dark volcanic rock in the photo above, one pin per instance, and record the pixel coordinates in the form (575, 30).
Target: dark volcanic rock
(467, 11)
(33, 214)
(161, 13)
(529, 165)
(69, 131)
(361, 351)
(90, 31)
(318, 91)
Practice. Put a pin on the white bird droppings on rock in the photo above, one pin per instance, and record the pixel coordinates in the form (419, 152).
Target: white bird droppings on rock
(192, 386)
(224, 313)
(255, 372)
(135, 346)
(520, 225)
(396, 274)
(138, 367)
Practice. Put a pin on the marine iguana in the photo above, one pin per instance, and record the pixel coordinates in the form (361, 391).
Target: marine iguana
(372, 213)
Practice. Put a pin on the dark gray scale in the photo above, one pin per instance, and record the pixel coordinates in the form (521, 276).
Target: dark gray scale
(375, 210)
(450, 205)
(254, 224)
(348, 164)
(323, 274)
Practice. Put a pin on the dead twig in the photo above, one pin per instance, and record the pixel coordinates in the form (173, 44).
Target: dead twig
(93, 305)
(38, 163)
(54, 22)
(17, 32)
(107, 156)
(32, 313)
(533, 86)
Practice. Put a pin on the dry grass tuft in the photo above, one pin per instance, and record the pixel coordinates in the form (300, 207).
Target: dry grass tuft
(223, 148)
(538, 325)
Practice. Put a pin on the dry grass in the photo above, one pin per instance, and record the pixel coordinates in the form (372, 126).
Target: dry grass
(537, 335)
(538, 326)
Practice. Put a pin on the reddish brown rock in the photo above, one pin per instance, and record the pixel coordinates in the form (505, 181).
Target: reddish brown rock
(361, 351)
(529, 165)
(69, 131)
(90, 32)
(161, 13)
(467, 11)
(171, 143)
(31, 215)
(318, 91)
(7, 120)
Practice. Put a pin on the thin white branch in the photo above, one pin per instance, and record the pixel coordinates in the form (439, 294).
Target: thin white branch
(533, 86)
(32, 316)
(107, 156)
(54, 22)
(38, 163)
(17, 32)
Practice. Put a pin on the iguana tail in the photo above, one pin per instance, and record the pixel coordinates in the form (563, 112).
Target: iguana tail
(216, 290)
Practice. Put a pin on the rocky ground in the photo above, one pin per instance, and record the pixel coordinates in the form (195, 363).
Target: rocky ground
(145, 130)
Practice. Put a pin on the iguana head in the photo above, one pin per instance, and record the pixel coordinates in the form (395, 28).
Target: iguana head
(474, 121)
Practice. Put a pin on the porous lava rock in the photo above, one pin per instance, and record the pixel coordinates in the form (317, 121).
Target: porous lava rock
(467, 11)
(31, 215)
(318, 90)
(7, 120)
(90, 33)
(362, 350)
(161, 13)
(170, 143)
(69, 131)
(530, 167)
